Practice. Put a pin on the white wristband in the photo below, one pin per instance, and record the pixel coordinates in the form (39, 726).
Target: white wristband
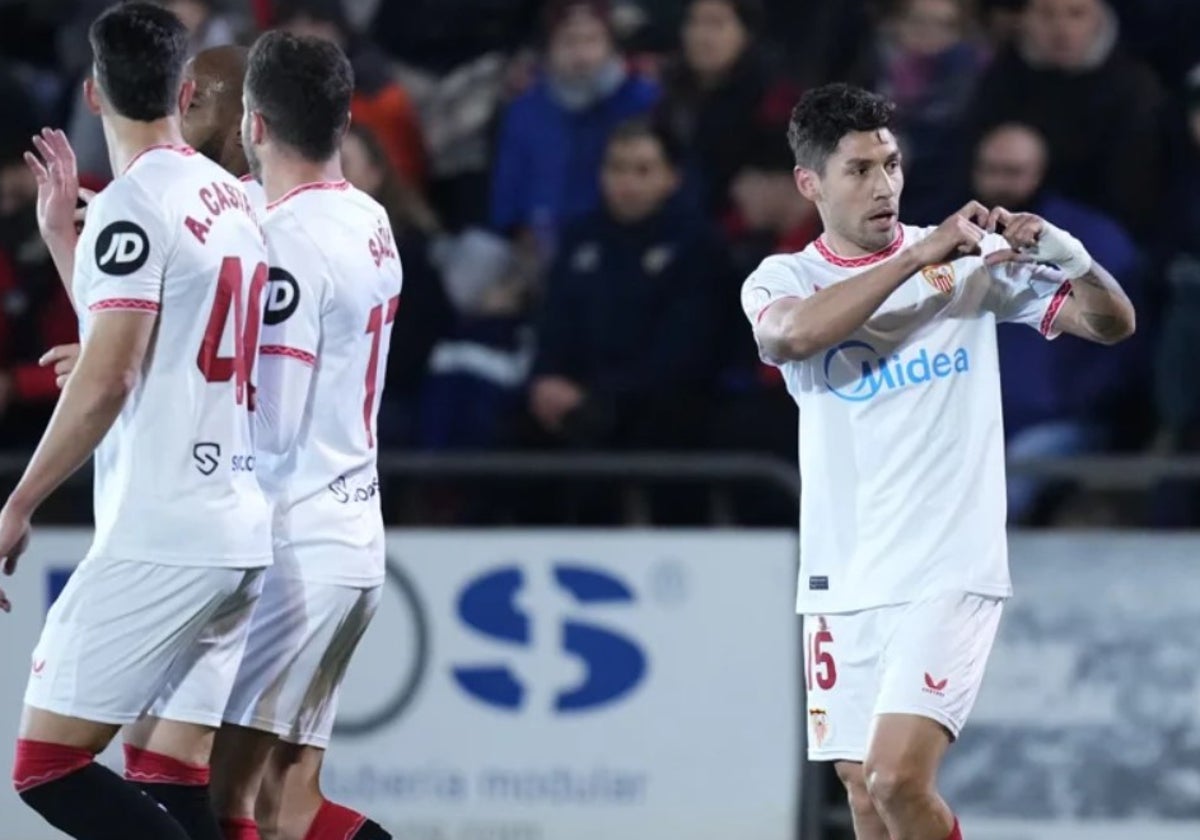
(1057, 246)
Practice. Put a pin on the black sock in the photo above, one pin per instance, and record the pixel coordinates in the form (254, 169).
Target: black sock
(94, 803)
(371, 830)
(190, 806)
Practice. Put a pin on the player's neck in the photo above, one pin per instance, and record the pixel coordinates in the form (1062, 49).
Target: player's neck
(850, 249)
(282, 176)
(129, 138)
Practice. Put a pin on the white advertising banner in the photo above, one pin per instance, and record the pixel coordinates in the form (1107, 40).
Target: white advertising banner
(544, 685)
(1088, 723)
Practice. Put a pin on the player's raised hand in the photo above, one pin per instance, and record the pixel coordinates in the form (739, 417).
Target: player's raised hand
(58, 183)
(63, 359)
(86, 196)
(1022, 231)
(958, 236)
(14, 539)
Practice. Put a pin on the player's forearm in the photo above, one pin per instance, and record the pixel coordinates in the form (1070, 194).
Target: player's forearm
(86, 411)
(62, 252)
(831, 315)
(1105, 312)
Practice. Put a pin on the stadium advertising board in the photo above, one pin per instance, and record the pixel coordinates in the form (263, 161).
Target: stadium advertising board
(555, 685)
(1088, 722)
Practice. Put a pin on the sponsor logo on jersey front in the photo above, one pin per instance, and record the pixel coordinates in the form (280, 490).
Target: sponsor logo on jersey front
(856, 372)
(121, 249)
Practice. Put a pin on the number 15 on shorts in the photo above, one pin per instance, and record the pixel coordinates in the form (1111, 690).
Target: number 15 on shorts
(820, 668)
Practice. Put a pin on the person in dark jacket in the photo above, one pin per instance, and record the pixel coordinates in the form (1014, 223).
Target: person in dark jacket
(719, 90)
(553, 136)
(1099, 108)
(627, 336)
(1075, 397)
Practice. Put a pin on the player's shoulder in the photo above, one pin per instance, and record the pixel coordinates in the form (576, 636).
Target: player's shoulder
(796, 268)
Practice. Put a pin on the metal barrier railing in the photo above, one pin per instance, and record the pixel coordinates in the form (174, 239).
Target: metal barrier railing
(1100, 472)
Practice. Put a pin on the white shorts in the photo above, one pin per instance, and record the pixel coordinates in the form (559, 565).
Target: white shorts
(128, 638)
(925, 658)
(301, 640)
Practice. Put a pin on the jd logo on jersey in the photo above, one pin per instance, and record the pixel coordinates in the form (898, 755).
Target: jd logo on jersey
(613, 663)
(283, 296)
(855, 371)
(122, 248)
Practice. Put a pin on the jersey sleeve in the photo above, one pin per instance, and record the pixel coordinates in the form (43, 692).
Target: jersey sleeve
(1027, 293)
(122, 265)
(291, 337)
(775, 280)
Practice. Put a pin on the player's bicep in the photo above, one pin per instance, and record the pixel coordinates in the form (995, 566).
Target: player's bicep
(775, 328)
(772, 297)
(292, 313)
(116, 347)
(121, 266)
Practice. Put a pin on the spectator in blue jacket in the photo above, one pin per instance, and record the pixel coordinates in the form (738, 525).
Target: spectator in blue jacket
(628, 332)
(1074, 397)
(552, 138)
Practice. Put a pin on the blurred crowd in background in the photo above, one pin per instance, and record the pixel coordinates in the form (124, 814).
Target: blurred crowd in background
(579, 188)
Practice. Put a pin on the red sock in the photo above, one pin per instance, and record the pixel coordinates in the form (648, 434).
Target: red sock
(157, 769)
(956, 833)
(334, 822)
(239, 829)
(39, 762)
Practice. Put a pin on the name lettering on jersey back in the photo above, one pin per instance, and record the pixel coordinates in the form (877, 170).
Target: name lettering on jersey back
(856, 372)
(218, 198)
(382, 245)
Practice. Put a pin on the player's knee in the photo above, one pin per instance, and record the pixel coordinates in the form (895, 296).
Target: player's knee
(851, 776)
(894, 786)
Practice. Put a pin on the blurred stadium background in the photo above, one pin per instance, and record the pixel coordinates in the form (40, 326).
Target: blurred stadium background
(588, 630)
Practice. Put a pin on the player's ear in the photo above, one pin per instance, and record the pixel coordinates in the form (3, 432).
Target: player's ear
(808, 183)
(258, 129)
(91, 95)
(186, 91)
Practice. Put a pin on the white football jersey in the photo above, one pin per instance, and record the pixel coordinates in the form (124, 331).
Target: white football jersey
(901, 436)
(174, 482)
(256, 194)
(335, 286)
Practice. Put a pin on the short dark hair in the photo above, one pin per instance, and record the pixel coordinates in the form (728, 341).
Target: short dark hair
(828, 113)
(302, 87)
(139, 50)
(641, 128)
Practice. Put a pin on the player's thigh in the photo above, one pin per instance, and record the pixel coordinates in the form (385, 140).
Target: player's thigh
(114, 633)
(841, 659)
(190, 705)
(299, 646)
(348, 613)
(933, 667)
